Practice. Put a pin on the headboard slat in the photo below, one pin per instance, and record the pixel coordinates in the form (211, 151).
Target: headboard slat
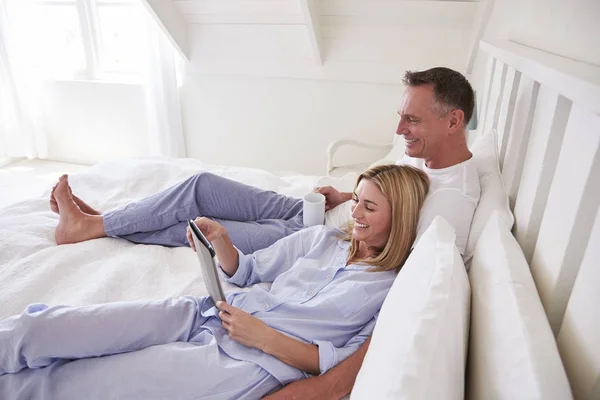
(519, 136)
(496, 89)
(579, 337)
(507, 109)
(547, 132)
(489, 75)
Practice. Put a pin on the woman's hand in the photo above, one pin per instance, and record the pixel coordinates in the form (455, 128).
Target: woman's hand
(243, 327)
(217, 235)
(212, 230)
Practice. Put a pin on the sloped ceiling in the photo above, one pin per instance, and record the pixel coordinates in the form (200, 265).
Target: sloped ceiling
(171, 21)
(364, 40)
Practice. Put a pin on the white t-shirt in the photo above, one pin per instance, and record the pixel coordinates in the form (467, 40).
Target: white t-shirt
(453, 194)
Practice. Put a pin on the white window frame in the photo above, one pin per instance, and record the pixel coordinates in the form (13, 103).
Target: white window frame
(90, 30)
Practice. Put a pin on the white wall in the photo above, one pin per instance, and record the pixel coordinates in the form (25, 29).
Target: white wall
(255, 95)
(567, 28)
(88, 122)
(282, 124)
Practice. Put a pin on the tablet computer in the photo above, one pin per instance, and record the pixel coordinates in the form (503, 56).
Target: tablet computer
(206, 257)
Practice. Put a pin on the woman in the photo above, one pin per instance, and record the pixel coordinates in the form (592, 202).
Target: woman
(326, 291)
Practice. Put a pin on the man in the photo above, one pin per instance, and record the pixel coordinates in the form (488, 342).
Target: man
(437, 106)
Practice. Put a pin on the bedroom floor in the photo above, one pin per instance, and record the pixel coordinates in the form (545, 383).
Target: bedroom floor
(23, 179)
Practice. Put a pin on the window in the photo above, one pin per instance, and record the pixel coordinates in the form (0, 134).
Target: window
(92, 39)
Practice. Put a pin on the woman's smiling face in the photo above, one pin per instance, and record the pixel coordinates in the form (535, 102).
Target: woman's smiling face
(372, 214)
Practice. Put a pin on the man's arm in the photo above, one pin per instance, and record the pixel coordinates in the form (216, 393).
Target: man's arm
(334, 384)
(333, 198)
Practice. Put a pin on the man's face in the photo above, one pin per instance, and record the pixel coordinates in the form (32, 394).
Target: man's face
(423, 128)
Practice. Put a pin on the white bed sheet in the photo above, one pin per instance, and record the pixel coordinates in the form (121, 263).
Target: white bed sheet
(33, 269)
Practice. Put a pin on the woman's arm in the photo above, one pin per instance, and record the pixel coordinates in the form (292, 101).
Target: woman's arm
(251, 331)
(312, 358)
(263, 265)
(227, 254)
(295, 353)
(336, 382)
(266, 265)
(332, 385)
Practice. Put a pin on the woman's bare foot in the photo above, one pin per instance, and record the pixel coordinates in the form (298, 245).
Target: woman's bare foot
(82, 204)
(74, 225)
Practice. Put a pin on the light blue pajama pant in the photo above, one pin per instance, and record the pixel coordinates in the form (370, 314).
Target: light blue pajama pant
(254, 218)
(126, 350)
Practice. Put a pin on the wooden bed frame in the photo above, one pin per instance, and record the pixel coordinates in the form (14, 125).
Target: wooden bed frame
(546, 110)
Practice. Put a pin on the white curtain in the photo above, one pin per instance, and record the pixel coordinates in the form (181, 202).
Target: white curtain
(162, 84)
(21, 132)
(23, 73)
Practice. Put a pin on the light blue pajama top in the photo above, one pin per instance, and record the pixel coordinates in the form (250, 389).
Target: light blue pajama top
(314, 297)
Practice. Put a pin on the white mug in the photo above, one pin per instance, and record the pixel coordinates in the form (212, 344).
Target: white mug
(313, 209)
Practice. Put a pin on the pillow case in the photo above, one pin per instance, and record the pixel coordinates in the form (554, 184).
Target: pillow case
(398, 149)
(512, 351)
(493, 194)
(418, 348)
(396, 152)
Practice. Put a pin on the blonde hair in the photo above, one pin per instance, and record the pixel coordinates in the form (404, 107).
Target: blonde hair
(405, 188)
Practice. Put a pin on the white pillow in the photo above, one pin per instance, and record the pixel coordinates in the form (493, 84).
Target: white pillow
(339, 216)
(512, 352)
(493, 194)
(397, 151)
(418, 348)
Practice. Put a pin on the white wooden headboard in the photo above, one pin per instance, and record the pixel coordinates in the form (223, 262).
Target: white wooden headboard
(546, 110)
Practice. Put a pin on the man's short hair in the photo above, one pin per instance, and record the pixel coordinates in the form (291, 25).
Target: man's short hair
(451, 89)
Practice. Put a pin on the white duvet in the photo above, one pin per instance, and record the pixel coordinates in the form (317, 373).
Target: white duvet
(33, 269)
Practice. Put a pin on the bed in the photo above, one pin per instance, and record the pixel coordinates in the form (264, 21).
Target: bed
(545, 111)
(34, 269)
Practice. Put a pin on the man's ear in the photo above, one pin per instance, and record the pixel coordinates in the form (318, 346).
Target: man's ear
(456, 120)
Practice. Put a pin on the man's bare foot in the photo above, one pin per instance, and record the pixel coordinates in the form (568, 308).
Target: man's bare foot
(53, 203)
(74, 225)
(82, 204)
